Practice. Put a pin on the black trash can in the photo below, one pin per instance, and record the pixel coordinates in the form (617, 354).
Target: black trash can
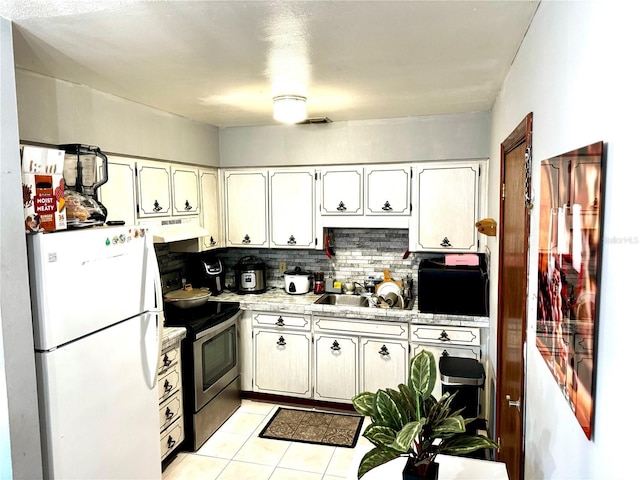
(466, 377)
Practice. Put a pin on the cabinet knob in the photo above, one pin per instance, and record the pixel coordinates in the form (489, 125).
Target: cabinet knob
(292, 240)
(336, 346)
(246, 239)
(384, 351)
(187, 206)
(167, 386)
(341, 207)
(168, 413)
(445, 242)
(156, 206)
(444, 336)
(281, 342)
(166, 360)
(387, 207)
(170, 442)
(280, 322)
(212, 242)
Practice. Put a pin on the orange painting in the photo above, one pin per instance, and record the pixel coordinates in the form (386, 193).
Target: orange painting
(571, 193)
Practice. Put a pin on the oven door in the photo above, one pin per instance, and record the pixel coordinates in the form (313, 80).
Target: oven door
(215, 357)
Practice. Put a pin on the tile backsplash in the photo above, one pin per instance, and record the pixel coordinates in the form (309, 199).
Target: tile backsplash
(358, 253)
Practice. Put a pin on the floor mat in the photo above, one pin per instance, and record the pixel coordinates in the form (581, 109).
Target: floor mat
(312, 426)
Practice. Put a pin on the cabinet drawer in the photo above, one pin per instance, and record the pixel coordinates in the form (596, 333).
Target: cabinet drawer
(171, 438)
(170, 410)
(445, 335)
(282, 321)
(169, 382)
(168, 359)
(398, 330)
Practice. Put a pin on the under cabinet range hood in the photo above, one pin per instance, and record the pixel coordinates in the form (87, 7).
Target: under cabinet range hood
(176, 230)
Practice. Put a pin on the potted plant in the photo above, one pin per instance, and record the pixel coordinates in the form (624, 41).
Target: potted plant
(410, 422)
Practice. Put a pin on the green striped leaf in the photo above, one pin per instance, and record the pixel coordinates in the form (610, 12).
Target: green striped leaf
(387, 412)
(449, 425)
(379, 435)
(363, 403)
(376, 457)
(422, 374)
(463, 444)
(406, 436)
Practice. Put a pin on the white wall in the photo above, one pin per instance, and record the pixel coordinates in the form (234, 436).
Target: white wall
(577, 72)
(54, 111)
(410, 139)
(19, 430)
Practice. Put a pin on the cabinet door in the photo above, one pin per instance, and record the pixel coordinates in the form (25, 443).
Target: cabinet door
(246, 208)
(336, 368)
(186, 191)
(388, 190)
(118, 195)
(384, 363)
(464, 351)
(154, 189)
(282, 363)
(292, 209)
(210, 210)
(448, 206)
(342, 191)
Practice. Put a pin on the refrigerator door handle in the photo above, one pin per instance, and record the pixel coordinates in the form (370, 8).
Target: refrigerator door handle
(152, 268)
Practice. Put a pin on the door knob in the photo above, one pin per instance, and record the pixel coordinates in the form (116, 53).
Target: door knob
(513, 403)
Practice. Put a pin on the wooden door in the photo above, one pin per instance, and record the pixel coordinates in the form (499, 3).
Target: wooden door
(512, 296)
(185, 189)
(154, 189)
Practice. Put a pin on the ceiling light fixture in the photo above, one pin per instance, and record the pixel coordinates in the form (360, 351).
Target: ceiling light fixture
(290, 108)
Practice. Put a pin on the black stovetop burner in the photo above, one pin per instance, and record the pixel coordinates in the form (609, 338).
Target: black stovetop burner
(199, 318)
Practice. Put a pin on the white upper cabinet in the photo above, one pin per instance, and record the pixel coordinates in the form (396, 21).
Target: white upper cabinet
(447, 198)
(186, 192)
(154, 189)
(246, 203)
(210, 210)
(118, 195)
(292, 208)
(388, 190)
(342, 191)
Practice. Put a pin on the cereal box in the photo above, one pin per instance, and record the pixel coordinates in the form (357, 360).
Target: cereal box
(43, 189)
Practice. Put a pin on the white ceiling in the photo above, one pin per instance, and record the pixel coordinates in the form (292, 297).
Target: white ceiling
(221, 62)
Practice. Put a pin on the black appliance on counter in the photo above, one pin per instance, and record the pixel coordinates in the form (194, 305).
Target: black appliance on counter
(206, 270)
(210, 366)
(455, 289)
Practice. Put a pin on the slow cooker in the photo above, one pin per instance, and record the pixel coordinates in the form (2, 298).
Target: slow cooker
(297, 281)
(251, 275)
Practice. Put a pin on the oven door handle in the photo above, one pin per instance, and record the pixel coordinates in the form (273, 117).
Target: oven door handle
(215, 329)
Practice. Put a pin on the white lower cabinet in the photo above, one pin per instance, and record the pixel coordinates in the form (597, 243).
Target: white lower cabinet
(336, 372)
(170, 410)
(463, 342)
(384, 363)
(375, 356)
(282, 354)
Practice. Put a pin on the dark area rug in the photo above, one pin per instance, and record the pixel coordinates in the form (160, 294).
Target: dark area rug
(311, 426)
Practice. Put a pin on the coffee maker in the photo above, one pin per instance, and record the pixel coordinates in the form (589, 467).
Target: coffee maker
(206, 270)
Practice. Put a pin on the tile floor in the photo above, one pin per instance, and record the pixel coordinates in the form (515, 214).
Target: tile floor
(236, 452)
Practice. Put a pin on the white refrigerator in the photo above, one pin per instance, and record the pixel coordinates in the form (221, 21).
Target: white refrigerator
(97, 323)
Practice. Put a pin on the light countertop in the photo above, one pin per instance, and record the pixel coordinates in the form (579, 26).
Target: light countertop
(277, 300)
(172, 335)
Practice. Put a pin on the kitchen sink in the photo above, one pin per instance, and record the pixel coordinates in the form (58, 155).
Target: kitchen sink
(352, 301)
(343, 300)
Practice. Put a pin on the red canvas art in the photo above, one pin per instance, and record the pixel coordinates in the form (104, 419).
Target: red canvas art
(571, 194)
